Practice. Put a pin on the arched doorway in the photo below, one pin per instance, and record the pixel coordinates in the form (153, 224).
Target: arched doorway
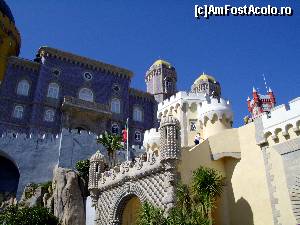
(9, 176)
(128, 209)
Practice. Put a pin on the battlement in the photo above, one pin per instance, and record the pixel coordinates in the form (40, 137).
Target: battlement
(214, 106)
(282, 117)
(151, 137)
(129, 170)
(46, 137)
(23, 64)
(86, 62)
(178, 96)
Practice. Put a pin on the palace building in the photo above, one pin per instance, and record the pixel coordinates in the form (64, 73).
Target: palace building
(54, 106)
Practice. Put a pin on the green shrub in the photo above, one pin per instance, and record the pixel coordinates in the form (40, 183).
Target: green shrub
(83, 166)
(14, 215)
(30, 189)
(46, 185)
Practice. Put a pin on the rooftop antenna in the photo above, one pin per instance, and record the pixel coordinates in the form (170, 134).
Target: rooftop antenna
(265, 82)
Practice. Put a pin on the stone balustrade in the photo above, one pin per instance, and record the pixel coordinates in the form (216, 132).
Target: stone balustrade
(76, 102)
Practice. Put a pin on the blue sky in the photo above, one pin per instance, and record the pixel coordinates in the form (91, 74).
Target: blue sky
(133, 34)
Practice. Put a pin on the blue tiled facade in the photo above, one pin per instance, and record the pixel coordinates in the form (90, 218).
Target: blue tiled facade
(72, 73)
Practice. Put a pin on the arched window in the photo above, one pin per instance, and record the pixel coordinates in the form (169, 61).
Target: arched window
(137, 114)
(53, 90)
(49, 115)
(86, 94)
(115, 105)
(138, 136)
(23, 88)
(18, 112)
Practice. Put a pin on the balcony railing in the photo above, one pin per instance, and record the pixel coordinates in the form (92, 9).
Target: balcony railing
(86, 105)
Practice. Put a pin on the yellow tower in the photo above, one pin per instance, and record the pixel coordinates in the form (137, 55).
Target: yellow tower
(10, 40)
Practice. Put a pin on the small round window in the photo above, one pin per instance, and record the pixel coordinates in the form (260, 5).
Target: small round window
(87, 76)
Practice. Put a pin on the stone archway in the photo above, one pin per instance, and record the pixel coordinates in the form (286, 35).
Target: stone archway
(9, 176)
(128, 210)
(126, 206)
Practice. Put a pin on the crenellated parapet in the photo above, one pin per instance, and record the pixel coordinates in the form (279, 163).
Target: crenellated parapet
(282, 120)
(84, 62)
(151, 139)
(23, 64)
(181, 102)
(27, 138)
(212, 107)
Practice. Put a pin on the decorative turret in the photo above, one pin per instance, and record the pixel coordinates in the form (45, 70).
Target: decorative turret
(97, 162)
(260, 103)
(215, 115)
(161, 80)
(272, 97)
(169, 138)
(207, 84)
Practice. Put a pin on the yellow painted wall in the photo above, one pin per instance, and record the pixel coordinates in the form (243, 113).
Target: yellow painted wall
(130, 212)
(10, 45)
(246, 198)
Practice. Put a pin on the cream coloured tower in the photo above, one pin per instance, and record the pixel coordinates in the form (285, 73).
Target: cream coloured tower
(215, 116)
(200, 111)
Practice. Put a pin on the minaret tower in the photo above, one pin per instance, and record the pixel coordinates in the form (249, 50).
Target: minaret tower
(161, 80)
(169, 138)
(96, 168)
(170, 155)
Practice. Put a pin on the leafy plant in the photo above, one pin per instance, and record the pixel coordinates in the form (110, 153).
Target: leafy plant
(194, 204)
(83, 166)
(14, 215)
(46, 185)
(150, 215)
(30, 189)
(207, 185)
(112, 143)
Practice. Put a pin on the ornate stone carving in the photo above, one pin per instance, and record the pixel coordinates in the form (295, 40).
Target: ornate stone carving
(152, 179)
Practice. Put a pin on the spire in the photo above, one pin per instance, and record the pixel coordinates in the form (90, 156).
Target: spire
(254, 90)
(248, 99)
(270, 90)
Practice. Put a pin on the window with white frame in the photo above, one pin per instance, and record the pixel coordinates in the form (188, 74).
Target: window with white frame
(53, 90)
(23, 88)
(137, 114)
(138, 136)
(49, 115)
(115, 128)
(115, 105)
(18, 112)
(86, 94)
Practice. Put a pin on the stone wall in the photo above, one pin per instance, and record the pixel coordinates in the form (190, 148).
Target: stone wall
(151, 181)
(35, 156)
